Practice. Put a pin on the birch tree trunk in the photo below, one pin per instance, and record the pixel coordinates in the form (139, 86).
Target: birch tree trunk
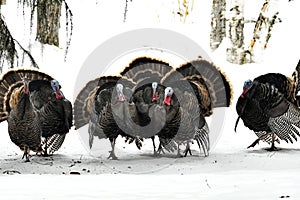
(235, 52)
(262, 30)
(48, 21)
(218, 23)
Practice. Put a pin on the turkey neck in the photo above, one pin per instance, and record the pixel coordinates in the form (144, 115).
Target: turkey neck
(23, 106)
(246, 97)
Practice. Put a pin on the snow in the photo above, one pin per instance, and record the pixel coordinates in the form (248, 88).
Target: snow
(230, 172)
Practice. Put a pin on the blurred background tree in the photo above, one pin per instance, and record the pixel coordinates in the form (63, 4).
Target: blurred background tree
(47, 14)
(232, 28)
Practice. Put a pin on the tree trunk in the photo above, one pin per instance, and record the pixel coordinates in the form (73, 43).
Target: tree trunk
(235, 52)
(218, 23)
(48, 21)
(262, 30)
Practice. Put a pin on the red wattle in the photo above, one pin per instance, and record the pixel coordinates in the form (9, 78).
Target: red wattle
(154, 97)
(167, 101)
(121, 98)
(58, 95)
(243, 93)
(26, 90)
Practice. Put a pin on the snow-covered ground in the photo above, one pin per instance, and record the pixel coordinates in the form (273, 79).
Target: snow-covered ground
(230, 172)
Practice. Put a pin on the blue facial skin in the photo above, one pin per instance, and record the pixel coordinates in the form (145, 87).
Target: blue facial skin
(247, 84)
(55, 84)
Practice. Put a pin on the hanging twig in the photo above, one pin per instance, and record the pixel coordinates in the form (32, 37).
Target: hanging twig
(126, 10)
(8, 49)
(69, 27)
(27, 53)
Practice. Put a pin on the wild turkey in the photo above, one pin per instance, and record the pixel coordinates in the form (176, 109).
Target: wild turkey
(156, 118)
(103, 104)
(268, 106)
(15, 107)
(54, 112)
(152, 118)
(200, 87)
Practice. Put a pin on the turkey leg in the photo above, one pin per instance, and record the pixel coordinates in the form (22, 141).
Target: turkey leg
(112, 154)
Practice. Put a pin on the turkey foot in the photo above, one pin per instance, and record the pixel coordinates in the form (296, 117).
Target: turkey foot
(45, 153)
(112, 155)
(160, 150)
(179, 155)
(272, 148)
(26, 154)
(187, 150)
(155, 153)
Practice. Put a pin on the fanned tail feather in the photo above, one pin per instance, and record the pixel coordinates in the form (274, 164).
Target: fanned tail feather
(216, 81)
(33, 74)
(144, 67)
(296, 77)
(211, 79)
(11, 85)
(108, 81)
(83, 104)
